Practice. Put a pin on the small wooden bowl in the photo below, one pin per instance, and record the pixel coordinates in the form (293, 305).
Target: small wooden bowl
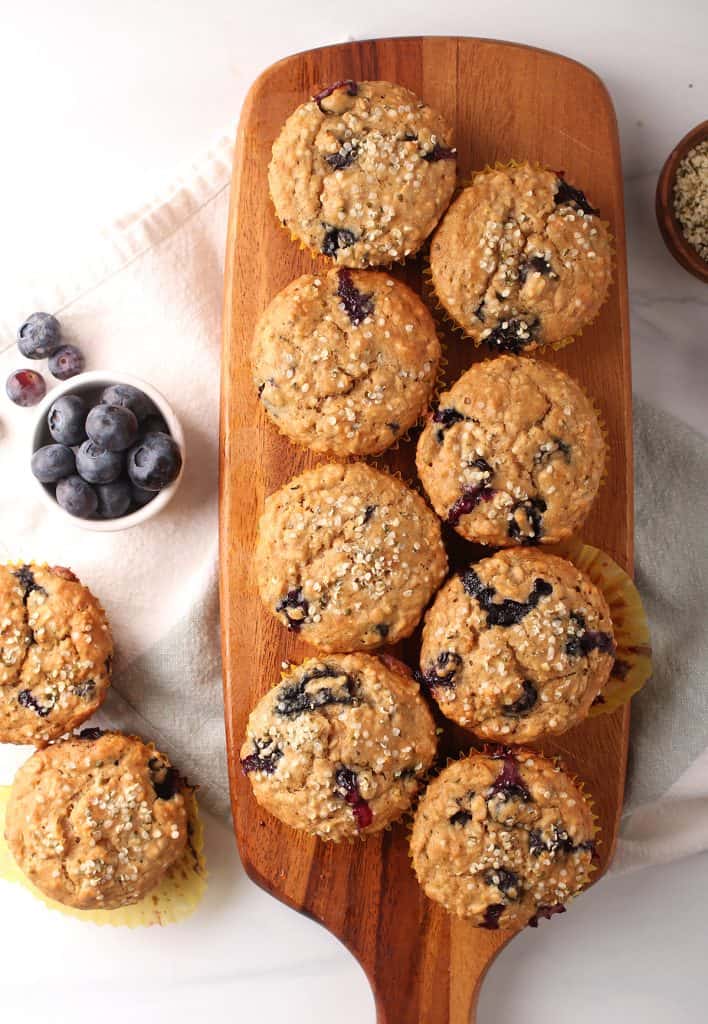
(669, 226)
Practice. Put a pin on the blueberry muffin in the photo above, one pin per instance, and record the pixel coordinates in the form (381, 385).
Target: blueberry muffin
(521, 259)
(345, 362)
(514, 453)
(339, 747)
(362, 172)
(55, 653)
(96, 821)
(518, 646)
(348, 557)
(503, 839)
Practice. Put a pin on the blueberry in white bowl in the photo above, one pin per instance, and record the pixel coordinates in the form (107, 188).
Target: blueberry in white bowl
(125, 443)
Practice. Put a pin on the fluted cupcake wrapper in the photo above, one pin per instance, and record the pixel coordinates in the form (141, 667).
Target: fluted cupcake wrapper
(175, 898)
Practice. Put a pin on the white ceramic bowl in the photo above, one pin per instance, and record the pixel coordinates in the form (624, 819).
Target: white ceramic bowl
(89, 385)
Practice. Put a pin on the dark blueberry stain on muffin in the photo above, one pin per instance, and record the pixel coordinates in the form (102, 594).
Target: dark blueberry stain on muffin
(460, 818)
(583, 641)
(336, 239)
(507, 612)
(382, 628)
(479, 311)
(344, 157)
(566, 195)
(492, 915)
(92, 733)
(558, 842)
(352, 90)
(532, 510)
(264, 759)
(294, 608)
(296, 699)
(446, 418)
(534, 265)
(368, 512)
(509, 784)
(556, 446)
(347, 786)
(439, 152)
(165, 782)
(546, 912)
(108, 664)
(357, 305)
(441, 672)
(620, 670)
(26, 699)
(393, 427)
(473, 493)
(85, 689)
(25, 577)
(525, 703)
(505, 881)
(512, 336)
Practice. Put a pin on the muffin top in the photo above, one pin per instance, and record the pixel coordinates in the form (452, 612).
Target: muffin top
(521, 259)
(345, 362)
(362, 172)
(514, 454)
(96, 821)
(55, 653)
(503, 839)
(348, 557)
(518, 646)
(339, 747)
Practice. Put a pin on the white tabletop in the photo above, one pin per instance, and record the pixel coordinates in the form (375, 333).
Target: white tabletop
(99, 112)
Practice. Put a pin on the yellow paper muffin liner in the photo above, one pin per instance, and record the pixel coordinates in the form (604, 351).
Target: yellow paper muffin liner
(175, 898)
(435, 299)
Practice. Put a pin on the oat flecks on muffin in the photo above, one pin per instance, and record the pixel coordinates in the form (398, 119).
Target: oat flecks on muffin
(55, 653)
(346, 361)
(503, 839)
(96, 821)
(514, 453)
(348, 557)
(340, 746)
(521, 259)
(362, 172)
(518, 646)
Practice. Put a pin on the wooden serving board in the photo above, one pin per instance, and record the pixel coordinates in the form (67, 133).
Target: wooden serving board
(505, 101)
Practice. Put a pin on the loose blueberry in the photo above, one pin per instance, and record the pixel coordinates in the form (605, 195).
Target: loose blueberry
(25, 387)
(442, 672)
(512, 336)
(509, 783)
(265, 759)
(77, 497)
(507, 612)
(344, 157)
(358, 305)
(26, 699)
(439, 152)
(347, 786)
(547, 913)
(583, 641)
(39, 336)
(52, 462)
(66, 362)
(524, 704)
(140, 496)
(531, 510)
(492, 915)
(534, 265)
(130, 398)
(113, 499)
(113, 427)
(336, 239)
(154, 462)
(352, 90)
(96, 465)
(296, 698)
(447, 418)
(26, 579)
(567, 195)
(294, 609)
(66, 420)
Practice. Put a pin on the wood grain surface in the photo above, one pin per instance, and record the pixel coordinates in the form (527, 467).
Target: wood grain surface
(505, 101)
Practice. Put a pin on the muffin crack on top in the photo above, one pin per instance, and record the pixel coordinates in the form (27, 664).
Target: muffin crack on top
(521, 259)
(362, 172)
